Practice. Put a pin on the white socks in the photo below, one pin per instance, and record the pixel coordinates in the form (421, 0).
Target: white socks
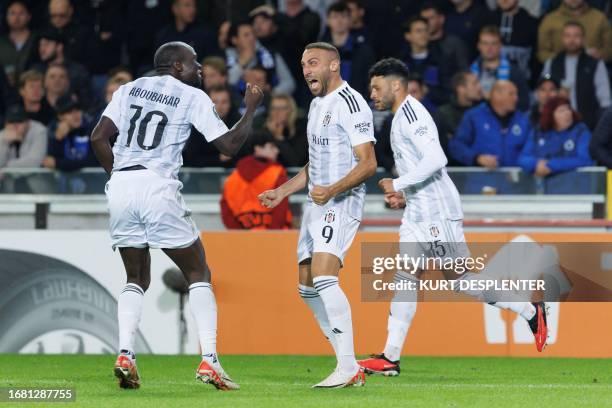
(129, 310)
(204, 310)
(339, 316)
(402, 310)
(315, 303)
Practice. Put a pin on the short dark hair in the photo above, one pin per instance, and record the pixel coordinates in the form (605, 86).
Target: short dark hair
(234, 27)
(416, 77)
(407, 26)
(260, 138)
(574, 23)
(338, 7)
(459, 79)
(220, 88)
(390, 67)
(431, 5)
(323, 46)
(490, 30)
(169, 53)
(359, 3)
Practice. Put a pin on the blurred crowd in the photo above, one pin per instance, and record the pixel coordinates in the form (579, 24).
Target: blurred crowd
(508, 82)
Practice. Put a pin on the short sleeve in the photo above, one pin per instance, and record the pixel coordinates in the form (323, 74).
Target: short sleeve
(205, 118)
(357, 121)
(113, 109)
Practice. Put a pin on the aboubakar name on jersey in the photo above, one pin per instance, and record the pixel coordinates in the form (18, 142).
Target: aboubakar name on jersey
(155, 96)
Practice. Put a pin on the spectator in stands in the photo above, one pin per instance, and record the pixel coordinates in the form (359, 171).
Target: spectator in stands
(56, 83)
(110, 87)
(585, 78)
(222, 98)
(358, 25)
(492, 66)
(465, 21)
(223, 35)
(601, 143)
(199, 153)
(518, 31)
(247, 53)
(559, 144)
(23, 142)
(466, 94)
(214, 70)
(301, 27)
(598, 34)
(69, 148)
(108, 37)
(240, 207)
(419, 90)
(122, 73)
(420, 58)
(17, 47)
(51, 48)
(184, 28)
(356, 57)
(32, 95)
(266, 29)
(287, 130)
(547, 89)
(145, 17)
(450, 47)
(77, 38)
(492, 134)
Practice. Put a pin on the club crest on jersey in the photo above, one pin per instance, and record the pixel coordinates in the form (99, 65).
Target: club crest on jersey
(434, 231)
(327, 119)
(569, 145)
(516, 130)
(330, 216)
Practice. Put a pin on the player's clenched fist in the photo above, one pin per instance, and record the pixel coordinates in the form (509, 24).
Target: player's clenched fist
(253, 96)
(270, 198)
(396, 201)
(320, 194)
(386, 185)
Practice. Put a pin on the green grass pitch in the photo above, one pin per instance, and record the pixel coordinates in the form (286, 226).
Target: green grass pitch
(284, 381)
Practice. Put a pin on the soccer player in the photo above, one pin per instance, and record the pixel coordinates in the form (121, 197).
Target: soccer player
(433, 218)
(341, 158)
(152, 119)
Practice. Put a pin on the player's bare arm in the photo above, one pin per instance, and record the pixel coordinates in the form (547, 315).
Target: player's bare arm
(231, 142)
(271, 198)
(100, 142)
(366, 167)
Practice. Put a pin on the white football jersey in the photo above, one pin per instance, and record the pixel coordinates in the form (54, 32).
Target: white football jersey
(154, 116)
(337, 122)
(413, 131)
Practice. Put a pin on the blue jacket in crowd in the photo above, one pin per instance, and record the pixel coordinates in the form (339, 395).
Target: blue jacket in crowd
(481, 132)
(564, 150)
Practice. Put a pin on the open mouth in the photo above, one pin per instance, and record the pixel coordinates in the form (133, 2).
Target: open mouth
(313, 84)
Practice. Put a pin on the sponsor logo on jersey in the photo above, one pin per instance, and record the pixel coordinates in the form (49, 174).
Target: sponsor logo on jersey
(421, 131)
(363, 127)
(327, 119)
(322, 141)
(330, 216)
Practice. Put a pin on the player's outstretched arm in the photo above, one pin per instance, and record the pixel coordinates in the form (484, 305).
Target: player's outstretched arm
(272, 198)
(100, 142)
(366, 168)
(231, 142)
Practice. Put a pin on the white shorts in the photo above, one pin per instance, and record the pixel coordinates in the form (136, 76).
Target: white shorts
(325, 229)
(148, 210)
(436, 239)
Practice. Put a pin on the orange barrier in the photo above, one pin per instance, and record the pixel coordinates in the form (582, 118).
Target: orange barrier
(260, 311)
